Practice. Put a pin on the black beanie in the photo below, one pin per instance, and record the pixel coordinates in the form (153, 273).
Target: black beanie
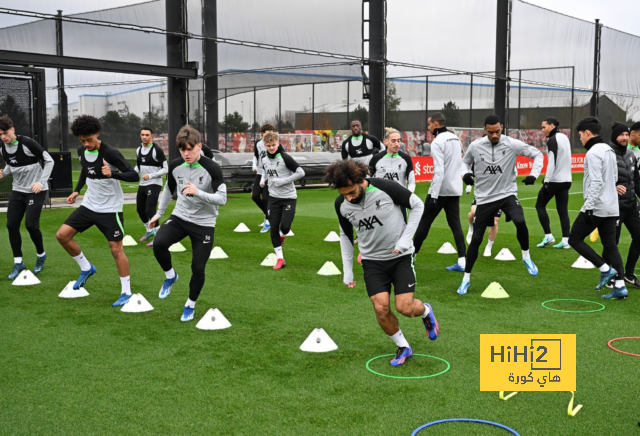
(591, 124)
(617, 130)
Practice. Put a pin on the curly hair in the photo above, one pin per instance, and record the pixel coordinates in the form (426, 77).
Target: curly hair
(271, 137)
(188, 136)
(267, 127)
(343, 173)
(85, 125)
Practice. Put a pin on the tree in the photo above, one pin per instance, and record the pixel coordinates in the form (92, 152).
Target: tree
(392, 114)
(198, 121)
(11, 109)
(121, 128)
(233, 123)
(360, 113)
(452, 113)
(155, 121)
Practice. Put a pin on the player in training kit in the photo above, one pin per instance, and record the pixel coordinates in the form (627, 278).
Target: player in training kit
(259, 194)
(374, 208)
(280, 171)
(601, 209)
(200, 188)
(23, 157)
(151, 164)
(103, 167)
(557, 183)
(446, 188)
(494, 161)
(393, 164)
(360, 146)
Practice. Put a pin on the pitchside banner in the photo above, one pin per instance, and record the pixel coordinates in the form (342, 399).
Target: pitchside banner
(423, 166)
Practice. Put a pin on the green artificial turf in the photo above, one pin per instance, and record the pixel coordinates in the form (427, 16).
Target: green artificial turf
(81, 366)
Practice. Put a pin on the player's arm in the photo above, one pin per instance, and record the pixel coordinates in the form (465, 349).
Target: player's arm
(293, 166)
(135, 168)
(595, 164)
(410, 174)
(170, 188)
(207, 152)
(466, 167)
(437, 153)
(219, 194)
(345, 152)
(526, 150)
(161, 158)
(346, 243)
(127, 173)
(377, 146)
(552, 157)
(39, 152)
(636, 175)
(6, 171)
(373, 162)
(256, 156)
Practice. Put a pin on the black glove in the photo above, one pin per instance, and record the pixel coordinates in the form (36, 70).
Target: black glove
(529, 180)
(589, 215)
(468, 179)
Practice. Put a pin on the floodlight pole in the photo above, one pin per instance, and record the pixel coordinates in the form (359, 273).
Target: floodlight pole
(593, 107)
(176, 57)
(502, 34)
(210, 69)
(63, 108)
(377, 54)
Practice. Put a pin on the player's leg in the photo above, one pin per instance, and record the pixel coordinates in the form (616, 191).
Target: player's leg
(429, 215)
(256, 196)
(452, 211)
(111, 225)
(274, 212)
(153, 193)
(607, 231)
(482, 215)
(582, 227)
(470, 217)
(562, 206)
(544, 197)
(632, 223)
(202, 244)
(288, 214)
(15, 212)
(515, 213)
(80, 220)
(170, 232)
(493, 234)
(32, 223)
(141, 208)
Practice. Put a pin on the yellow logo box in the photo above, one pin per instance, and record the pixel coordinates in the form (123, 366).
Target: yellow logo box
(527, 362)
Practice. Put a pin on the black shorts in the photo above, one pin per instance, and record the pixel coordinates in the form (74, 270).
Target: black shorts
(379, 275)
(498, 213)
(110, 224)
(485, 213)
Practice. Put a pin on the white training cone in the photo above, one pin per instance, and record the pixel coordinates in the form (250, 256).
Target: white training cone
(218, 253)
(213, 320)
(582, 263)
(447, 248)
(261, 224)
(69, 292)
(290, 233)
(505, 254)
(26, 278)
(128, 241)
(242, 228)
(177, 247)
(329, 269)
(137, 303)
(318, 342)
(332, 237)
(270, 260)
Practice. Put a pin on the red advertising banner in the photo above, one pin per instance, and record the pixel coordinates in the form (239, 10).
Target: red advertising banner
(423, 166)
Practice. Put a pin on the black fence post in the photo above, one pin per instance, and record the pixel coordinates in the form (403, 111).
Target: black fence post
(210, 70)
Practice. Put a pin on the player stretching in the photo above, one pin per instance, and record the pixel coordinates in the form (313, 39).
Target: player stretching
(22, 156)
(280, 171)
(557, 183)
(374, 207)
(494, 161)
(359, 145)
(102, 169)
(151, 165)
(446, 188)
(200, 188)
(259, 194)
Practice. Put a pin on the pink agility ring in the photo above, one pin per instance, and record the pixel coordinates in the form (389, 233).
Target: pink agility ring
(620, 351)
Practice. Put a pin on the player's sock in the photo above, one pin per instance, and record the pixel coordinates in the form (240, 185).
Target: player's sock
(266, 222)
(462, 261)
(44, 253)
(526, 255)
(170, 274)
(565, 240)
(619, 283)
(190, 303)
(426, 311)
(126, 284)
(604, 268)
(282, 234)
(82, 262)
(399, 339)
(279, 252)
(490, 243)
(17, 260)
(548, 236)
(146, 227)
(467, 277)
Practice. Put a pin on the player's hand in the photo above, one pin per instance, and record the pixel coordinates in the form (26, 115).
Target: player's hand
(72, 198)
(190, 189)
(396, 251)
(153, 221)
(1, 173)
(352, 284)
(255, 170)
(36, 188)
(145, 177)
(529, 180)
(621, 189)
(262, 186)
(106, 170)
(468, 179)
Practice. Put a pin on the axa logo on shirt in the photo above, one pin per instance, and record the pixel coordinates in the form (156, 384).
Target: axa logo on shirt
(91, 170)
(369, 223)
(13, 161)
(272, 173)
(493, 169)
(392, 176)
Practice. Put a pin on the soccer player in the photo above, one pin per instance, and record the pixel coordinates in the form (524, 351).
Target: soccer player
(280, 171)
(200, 188)
(393, 164)
(494, 160)
(23, 157)
(151, 164)
(259, 194)
(374, 207)
(557, 183)
(446, 188)
(600, 209)
(359, 145)
(103, 167)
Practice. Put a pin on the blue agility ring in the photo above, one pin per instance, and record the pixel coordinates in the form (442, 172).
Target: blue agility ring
(495, 424)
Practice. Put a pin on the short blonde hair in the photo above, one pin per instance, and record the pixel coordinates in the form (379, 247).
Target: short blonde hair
(388, 131)
(188, 136)
(271, 137)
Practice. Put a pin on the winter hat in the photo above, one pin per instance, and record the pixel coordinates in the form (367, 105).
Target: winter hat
(617, 130)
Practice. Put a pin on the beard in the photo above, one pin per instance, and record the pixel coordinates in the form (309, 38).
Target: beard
(359, 198)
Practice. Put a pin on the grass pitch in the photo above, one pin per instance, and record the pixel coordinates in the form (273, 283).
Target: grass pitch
(83, 367)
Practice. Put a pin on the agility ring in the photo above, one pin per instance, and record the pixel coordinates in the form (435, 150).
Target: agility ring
(620, 351)
(479, 421)
(573, 311)
(408, 378)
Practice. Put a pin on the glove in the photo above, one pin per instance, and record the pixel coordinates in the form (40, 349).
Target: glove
(468, 190)
(589, 215)
(468, 179)
(529, 180)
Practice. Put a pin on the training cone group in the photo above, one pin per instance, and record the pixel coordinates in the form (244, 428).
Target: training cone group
(26, 278)
(69, 292)
(505, 254)
(270, 260)
(128, 241)
(177, 247)
(332, 237)
(213, 320)
(218, 253)
(318, 342)
(447, 248)
(329, 269)
(494, 290)
(137, 303)
(242, 228)
(582, 263)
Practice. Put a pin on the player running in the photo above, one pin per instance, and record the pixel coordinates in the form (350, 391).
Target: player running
(557, 183)
(279, 171)
(494, 159)
(103, 167)
(151, 164)
(374, 207)
(446, 188)
(200, 188)
(23, 157)
(359, 145)
(259, 194)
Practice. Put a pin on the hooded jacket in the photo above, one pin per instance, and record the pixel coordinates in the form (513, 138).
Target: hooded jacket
(627, 175)
(559, 153)
(600, 177)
